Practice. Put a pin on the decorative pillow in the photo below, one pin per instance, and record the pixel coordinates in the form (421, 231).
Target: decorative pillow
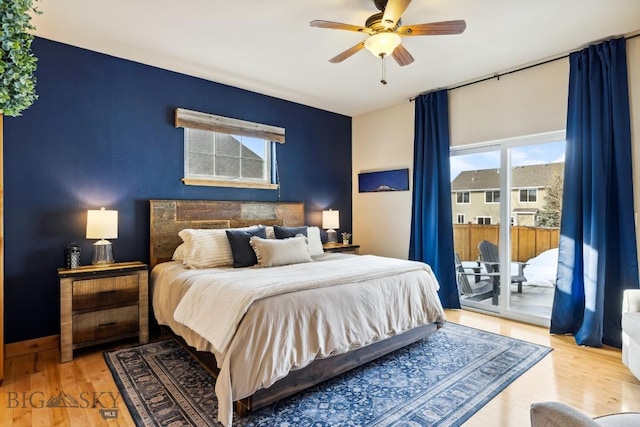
(243, 253)
(180, 254)
(271, 234)
(269, 229)
(286, 232)
(272, 253)
(314, 243)
(206, 248)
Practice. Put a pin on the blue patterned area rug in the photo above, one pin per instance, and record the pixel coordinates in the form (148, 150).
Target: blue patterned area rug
(440, 381)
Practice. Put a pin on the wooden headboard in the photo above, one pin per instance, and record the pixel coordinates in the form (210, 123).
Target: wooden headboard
(168, 217)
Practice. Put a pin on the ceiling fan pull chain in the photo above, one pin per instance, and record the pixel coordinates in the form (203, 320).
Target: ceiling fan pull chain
(384, 70)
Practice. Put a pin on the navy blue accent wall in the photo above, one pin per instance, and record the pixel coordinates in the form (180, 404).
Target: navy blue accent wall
(101, 134)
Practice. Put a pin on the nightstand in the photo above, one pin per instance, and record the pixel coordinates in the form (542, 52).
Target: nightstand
(102, 303)
(339, 247)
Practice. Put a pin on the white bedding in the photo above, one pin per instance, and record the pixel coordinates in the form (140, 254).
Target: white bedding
(343, 303)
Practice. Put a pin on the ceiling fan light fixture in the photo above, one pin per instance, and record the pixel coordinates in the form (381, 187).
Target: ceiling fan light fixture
(382, 44)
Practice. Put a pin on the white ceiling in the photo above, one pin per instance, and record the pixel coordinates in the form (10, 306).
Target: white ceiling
(267, 46)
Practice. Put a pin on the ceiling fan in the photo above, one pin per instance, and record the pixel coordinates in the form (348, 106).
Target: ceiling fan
(385, 30)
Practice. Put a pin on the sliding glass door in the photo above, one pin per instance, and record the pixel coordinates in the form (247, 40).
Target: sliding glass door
(506, 200)
(476, 205)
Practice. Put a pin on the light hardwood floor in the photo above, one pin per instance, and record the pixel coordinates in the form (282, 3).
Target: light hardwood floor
(593, 380)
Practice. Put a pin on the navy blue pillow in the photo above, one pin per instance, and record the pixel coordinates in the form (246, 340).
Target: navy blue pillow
(243, 253)
(286, 232)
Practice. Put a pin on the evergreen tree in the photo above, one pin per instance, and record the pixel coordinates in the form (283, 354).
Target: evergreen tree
(552, 207)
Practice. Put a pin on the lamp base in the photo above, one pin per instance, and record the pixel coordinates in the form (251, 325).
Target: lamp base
(332, 236)
(102, 252)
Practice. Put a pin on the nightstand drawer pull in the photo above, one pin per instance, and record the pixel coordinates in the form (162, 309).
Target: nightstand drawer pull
(101, 325)
(112, 291)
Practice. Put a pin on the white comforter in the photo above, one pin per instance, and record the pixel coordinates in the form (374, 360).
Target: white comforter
(262, 323)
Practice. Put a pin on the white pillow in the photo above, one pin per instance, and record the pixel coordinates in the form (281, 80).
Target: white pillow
(314, 244)
(275, 252)
(206, 248)
(180, 254)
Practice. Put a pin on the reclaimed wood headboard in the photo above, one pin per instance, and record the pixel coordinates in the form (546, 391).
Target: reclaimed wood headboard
(168, 217)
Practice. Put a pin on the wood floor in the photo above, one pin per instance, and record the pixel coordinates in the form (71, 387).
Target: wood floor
(593, 380)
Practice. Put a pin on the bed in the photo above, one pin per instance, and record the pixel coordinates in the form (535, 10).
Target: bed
(326, 316)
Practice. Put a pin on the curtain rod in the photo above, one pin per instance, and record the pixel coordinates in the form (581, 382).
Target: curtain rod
(506, 73)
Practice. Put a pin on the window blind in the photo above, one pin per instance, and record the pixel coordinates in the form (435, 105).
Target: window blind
(204, 121)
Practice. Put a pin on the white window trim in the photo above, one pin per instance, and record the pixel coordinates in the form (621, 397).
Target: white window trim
(230, 183)
(485, 197)
(463, 202)
(528, 189)
(458, 216)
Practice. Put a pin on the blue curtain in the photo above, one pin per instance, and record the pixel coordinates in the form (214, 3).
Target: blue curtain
(431, 217)
(597, 251)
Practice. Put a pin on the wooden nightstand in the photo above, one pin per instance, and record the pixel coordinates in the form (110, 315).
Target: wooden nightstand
(339, 247)
(102, 303)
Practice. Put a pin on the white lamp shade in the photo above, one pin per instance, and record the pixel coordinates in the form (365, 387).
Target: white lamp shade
(382, 44)
(102, 224)
(330, 219)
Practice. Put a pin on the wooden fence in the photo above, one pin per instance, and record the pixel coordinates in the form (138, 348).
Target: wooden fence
(526, 242)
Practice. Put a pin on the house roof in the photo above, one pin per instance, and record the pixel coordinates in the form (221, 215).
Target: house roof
(532, 176)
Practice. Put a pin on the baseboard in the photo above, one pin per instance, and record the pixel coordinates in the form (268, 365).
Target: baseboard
(35, 345)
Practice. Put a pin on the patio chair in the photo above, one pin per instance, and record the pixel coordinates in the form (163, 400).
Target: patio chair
(491, 261)
(475, 287)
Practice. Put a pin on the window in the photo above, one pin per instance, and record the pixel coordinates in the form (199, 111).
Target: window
(492, 196)
(486, 220)
(462, 197)
(460, 218)
(219, 151)
(529, 195)
(227, 157)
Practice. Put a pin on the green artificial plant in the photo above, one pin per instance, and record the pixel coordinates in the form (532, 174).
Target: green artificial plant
(17, 63)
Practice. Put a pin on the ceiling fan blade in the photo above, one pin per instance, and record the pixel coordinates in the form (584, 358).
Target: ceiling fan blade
(402, 56)
(340, 26)
(393, 11)
(347, 53)
(433, 28)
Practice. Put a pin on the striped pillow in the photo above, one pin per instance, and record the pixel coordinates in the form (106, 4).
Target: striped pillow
(207, 248)
(314, 244)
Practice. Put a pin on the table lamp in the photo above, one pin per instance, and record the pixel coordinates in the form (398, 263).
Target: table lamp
(102, 224)
(330, 221)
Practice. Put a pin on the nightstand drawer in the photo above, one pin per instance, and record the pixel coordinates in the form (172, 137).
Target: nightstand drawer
(105, 323)
(104, 292)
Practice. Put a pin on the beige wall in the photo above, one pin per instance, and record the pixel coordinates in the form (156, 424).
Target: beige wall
(383, 140)
(527, 102)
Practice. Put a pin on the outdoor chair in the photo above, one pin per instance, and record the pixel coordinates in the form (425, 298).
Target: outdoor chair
(475, 287)
(491, 259)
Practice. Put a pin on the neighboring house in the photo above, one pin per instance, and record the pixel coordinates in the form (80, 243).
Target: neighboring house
(475, 194)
